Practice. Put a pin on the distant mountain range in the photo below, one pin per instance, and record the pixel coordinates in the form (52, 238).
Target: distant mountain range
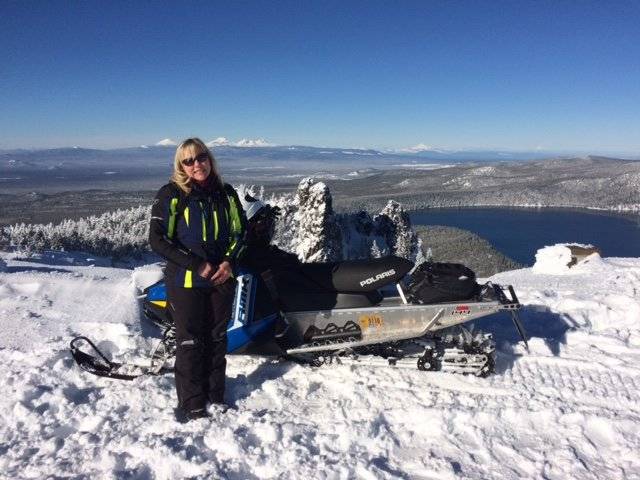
(256, 149)
(581, 182)
(358, 178)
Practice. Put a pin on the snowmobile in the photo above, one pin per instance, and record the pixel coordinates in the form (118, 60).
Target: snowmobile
(357, 311)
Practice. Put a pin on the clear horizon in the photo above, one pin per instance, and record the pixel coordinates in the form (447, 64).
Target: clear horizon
(508, 76)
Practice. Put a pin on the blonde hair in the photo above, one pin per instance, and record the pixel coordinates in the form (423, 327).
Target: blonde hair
(192, 147)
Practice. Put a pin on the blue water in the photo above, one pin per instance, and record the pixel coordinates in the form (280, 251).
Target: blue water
(519, 233)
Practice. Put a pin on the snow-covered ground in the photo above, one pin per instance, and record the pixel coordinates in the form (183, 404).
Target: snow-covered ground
(568, 409)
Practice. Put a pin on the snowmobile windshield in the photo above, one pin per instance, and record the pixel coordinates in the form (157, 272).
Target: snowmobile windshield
(261, 225)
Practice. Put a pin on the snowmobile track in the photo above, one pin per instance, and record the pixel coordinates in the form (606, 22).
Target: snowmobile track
(579, 386)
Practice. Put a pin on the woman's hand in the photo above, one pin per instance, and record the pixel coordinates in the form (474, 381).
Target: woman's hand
(206, 270)
(222, 274)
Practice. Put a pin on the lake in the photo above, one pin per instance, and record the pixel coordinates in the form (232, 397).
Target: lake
(520, 232)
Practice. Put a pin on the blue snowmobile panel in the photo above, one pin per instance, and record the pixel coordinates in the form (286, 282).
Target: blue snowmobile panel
(157, 292)
(240, 336)
(242, 329)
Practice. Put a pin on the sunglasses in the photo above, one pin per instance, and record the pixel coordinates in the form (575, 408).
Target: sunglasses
(200, 158)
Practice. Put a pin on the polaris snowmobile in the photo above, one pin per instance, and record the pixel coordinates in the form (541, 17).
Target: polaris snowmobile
(357, 311)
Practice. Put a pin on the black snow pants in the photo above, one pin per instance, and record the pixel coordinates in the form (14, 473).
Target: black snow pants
(201, 316)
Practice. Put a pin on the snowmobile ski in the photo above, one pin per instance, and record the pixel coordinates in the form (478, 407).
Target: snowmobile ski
(101, 366)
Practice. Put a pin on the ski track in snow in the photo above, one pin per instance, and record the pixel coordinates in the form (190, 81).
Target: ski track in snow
(568, 409)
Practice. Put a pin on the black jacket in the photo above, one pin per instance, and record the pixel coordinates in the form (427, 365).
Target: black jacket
(187, 230)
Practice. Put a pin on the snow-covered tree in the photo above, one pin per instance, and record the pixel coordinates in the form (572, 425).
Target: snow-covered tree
(319, 238)
(307, 226)
(120, 233)
(375, 250)
(394, 225)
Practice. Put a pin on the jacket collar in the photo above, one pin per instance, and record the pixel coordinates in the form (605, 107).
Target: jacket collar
(209, 189)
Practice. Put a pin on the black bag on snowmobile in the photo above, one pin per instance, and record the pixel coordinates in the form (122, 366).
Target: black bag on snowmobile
(441, 282)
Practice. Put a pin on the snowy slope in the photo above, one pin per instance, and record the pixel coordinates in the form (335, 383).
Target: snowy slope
(569, 409)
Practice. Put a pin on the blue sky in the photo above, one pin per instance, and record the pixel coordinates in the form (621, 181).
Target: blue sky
(557, 76)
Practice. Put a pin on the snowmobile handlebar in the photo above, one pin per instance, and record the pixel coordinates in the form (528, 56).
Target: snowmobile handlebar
(514, 298)
(513, 305)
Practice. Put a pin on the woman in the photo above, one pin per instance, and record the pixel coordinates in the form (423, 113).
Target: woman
(197, 225)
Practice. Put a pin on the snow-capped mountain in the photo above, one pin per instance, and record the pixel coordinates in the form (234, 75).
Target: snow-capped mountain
(220, 141)
(258, 142)
(167, 142)
(419, 148)
(437, 153)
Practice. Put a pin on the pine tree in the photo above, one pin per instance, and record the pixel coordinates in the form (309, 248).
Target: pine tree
(375, 250)
(319, 238)
(394, 225)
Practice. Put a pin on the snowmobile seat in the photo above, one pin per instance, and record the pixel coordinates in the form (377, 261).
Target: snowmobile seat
(297, 292)
(309, 301)
(357, 276)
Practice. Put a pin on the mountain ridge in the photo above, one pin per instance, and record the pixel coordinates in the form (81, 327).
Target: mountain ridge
(251, 149)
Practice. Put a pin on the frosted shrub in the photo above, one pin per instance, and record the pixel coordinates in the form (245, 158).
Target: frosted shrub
(120, 233)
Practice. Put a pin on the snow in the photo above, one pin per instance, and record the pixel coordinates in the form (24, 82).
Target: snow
(258, 142)
(359, 152)
(553, 259)
(556, 259)
(568, 409)
(423, 166)
(483, 171)
(421, 147)
(167, 142)
(219, 141)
